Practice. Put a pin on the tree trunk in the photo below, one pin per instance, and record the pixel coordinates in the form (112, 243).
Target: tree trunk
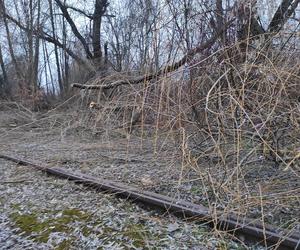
(29, 85)
(283, 13)
(100, 9)
(35, 81)
(220, 18)
(5, 87)
(65, 59)
(60, 83)
(10, 45)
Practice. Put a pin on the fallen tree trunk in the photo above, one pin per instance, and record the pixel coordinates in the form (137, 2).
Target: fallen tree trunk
(167, 69)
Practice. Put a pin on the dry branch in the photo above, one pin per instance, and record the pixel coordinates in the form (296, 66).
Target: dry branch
(48, 38)
(66, 15)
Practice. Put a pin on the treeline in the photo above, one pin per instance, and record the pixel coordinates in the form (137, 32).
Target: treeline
(48, 45)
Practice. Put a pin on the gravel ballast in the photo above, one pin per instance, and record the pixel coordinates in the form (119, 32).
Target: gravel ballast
(42, 212)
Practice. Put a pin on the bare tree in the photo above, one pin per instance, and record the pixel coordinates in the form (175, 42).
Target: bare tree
(139, 36)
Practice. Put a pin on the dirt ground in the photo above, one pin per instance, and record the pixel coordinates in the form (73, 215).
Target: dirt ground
(150, 162)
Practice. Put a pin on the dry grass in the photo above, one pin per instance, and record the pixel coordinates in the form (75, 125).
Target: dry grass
(234, 120)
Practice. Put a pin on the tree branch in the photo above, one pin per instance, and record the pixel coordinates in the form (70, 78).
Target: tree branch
(90, 16)
(42, 35)
(66, 14)
(283, 13)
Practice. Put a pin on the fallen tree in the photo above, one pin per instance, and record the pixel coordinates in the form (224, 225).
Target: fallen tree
(167, 69)
(283, 13)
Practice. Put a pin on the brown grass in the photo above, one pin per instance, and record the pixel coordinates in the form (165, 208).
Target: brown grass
(234, 120)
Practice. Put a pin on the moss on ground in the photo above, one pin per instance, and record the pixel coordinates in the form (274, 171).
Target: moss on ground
(39, 230)
(31, 224)
(40, 224)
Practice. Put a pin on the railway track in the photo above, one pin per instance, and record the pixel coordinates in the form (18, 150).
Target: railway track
(249, 229)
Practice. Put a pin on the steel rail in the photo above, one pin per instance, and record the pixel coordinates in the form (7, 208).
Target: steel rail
(250, 229)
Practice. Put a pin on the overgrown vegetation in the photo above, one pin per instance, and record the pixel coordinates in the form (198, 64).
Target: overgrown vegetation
(218, 79)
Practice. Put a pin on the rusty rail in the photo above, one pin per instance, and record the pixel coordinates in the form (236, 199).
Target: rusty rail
(250, 229)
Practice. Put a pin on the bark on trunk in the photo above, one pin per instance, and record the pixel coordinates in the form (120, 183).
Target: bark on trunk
(99, 11)
(5, 83)
(59, 78)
